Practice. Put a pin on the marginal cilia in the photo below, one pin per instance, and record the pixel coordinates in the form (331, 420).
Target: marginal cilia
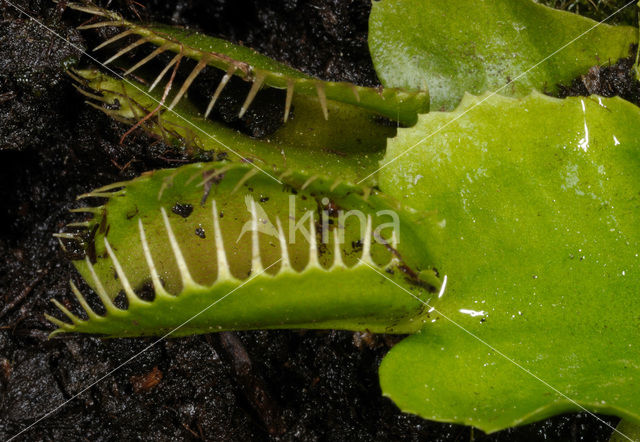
(307, 143)
(259, 70)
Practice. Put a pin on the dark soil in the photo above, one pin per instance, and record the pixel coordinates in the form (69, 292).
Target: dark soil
(608, 81)
(277, 385)
(598, 10)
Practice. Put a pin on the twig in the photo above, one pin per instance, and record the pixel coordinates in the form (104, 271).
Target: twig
(23, 294)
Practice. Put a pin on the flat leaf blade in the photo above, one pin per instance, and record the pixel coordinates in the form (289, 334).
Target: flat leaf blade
(473, 46)
(538, 205)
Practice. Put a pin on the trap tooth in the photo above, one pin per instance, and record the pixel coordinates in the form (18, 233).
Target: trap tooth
(185, 276)
(98, 194)
(114, 39)
(218, 91)
(394, 245)
(101, 24)
(89, 94)
(123, 51)
(366, 193)
(309, 181)
(277, 276)
(288, 99)
(337, 252)
(62, 246)
(73, 318)
(335, 184)
(224, 271)
(247, 176)
(322, 97)
(192, 76)
(155, 278)
(285, 264)
(159, 50)
(98, 287)
(79, 224)
(71, 236)
(256, 262)
(62, 326)
(366, 243)
(122, 277)
(83, 302)
(285, 174)
(93, 10)
(174, 60)
(255, 87)
(110, 112)
(313, 244)
(355, 92)
(166, 182)
(214, 174)
(118, 185)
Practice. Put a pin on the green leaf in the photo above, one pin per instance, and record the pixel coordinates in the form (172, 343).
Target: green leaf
(625, 431)
(459, 46)
(538, 201)
(254, 67)
(305, 253)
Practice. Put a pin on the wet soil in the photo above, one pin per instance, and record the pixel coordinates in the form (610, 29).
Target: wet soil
(616, 79)
(276, 385)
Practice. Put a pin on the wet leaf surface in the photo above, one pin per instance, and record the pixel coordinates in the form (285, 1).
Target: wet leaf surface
(538, 202)
(473, 46)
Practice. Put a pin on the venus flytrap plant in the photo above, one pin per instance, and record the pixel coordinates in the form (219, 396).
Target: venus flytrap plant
(528, 205)
(295, 255)
(248, 64)
(306, 143)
